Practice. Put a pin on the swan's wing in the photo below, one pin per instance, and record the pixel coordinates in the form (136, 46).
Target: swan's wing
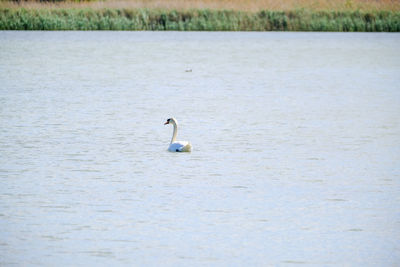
(180, 146)
(187, 147)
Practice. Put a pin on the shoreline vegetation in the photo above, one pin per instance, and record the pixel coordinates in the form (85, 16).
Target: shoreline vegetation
(203, 15)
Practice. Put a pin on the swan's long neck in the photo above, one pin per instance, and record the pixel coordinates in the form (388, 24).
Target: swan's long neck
(175, 133)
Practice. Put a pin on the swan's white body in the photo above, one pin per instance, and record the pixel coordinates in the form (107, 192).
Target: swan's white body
(177, 146)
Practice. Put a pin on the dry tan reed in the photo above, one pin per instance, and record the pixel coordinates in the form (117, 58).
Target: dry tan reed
(242, 5)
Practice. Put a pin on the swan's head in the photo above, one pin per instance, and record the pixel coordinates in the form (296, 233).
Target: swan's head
(171, 120)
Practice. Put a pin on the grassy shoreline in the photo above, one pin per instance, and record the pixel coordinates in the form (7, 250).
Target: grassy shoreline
(236, 5)
(137, 19)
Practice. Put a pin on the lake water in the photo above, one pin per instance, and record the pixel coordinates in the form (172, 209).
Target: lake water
(296, 149)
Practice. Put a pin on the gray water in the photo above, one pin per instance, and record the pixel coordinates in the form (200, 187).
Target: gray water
(296, 148)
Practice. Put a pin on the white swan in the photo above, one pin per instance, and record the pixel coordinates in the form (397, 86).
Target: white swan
(177, 146)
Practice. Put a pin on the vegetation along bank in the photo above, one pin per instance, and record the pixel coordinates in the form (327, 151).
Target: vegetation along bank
(137, 19)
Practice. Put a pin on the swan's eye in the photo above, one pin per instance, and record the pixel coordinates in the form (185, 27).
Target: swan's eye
(168, 120)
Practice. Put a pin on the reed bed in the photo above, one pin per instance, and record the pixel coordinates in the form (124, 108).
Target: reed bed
(237, 5)
(196, 20)
(199, 15)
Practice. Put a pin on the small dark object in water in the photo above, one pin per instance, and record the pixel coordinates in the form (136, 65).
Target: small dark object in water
(188, 70)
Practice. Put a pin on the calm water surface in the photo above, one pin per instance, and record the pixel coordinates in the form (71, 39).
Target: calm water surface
(296, 153)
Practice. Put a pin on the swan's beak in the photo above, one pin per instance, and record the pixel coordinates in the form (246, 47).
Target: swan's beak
(166, 123)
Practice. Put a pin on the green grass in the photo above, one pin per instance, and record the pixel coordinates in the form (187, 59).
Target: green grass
(197, 20)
